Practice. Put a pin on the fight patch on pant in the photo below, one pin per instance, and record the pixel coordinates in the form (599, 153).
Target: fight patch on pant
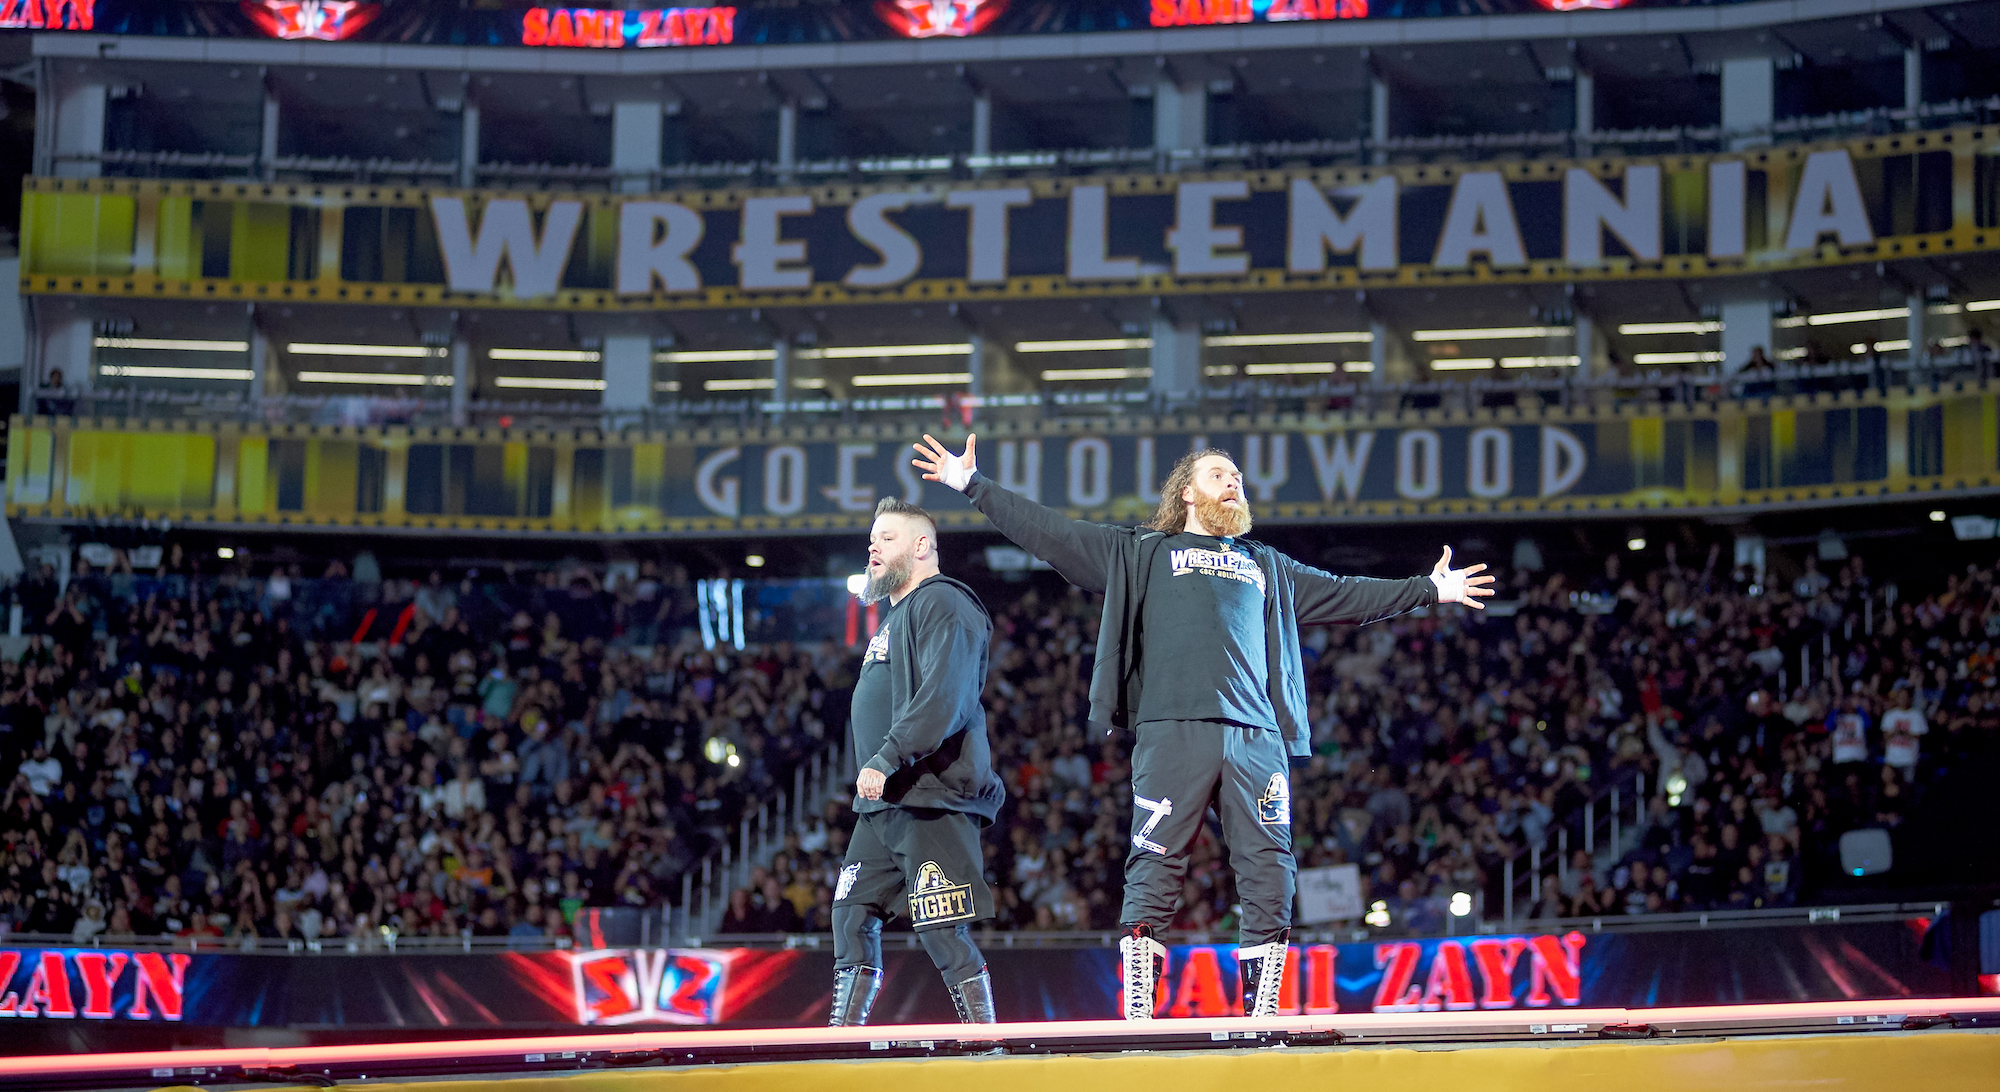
(935, 899)
(845, 886)
(1274, 808)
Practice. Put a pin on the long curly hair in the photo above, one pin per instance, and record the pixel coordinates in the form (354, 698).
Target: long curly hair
(1172, 514)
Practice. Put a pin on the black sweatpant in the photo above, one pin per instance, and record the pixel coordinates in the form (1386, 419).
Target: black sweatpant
(1182, 768)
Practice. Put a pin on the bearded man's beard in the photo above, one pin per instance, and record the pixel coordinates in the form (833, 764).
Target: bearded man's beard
(888, 579)
(1221, 520)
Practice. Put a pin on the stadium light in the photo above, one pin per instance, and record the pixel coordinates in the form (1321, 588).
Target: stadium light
(187, 345)
(387, 379)
(832, 352)
(547, 383)
(912, 379)
(854, 352)
(1461, 904)
(1492, 333)
(755, 561)
(581, 356)
(764, 384)
(314, 348)
(1539, 361)
(1875, 315)
(713, 356)
(147, 371)
(1635, 544)
(1676, 358)
(1377, 915)
(1937, 516)
(1462, 364)
(1321, 368)
(1085, 345)
(1330, 337)
(225, 553)
(1637, 328)
(1084, 375)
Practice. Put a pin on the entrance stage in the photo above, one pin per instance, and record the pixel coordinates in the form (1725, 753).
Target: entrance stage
(1940, 1045)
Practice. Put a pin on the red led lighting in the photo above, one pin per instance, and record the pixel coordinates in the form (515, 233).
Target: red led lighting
(599, 28)
(310, 20)
(48, 14)
(1205, 13)
(939, 18)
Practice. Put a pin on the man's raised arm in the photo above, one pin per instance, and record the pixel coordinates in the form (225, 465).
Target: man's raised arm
(1322, 598)
(1081, 551)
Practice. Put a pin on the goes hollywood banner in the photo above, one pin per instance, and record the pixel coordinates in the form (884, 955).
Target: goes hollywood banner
(1798, 451)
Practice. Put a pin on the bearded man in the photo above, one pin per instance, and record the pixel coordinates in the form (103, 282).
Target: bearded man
(926, 784)
(1198, 653)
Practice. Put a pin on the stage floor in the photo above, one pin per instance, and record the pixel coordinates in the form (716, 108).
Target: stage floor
(1939, 1045)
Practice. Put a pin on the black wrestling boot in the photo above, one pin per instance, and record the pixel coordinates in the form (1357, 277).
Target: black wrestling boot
(973, 998)
(1262, 969)
(853, 995)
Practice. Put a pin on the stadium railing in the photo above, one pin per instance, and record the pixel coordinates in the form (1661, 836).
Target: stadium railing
(1671, 140)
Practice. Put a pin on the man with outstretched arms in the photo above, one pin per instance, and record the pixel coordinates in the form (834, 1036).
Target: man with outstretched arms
(1198, 652)
(926, 784)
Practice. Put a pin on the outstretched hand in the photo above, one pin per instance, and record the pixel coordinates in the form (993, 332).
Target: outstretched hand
(1460, 585)
(940, 465)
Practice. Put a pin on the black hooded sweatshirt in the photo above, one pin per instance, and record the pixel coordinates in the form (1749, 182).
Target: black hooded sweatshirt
(916, 709)
(1118, 561)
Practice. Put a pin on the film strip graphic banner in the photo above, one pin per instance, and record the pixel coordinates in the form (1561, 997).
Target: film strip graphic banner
(1805, 450)
(1916, 195)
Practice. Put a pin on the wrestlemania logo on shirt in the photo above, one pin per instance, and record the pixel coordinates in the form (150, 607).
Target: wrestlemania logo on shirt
(1226, 564)
(878, 648)
(935, 899)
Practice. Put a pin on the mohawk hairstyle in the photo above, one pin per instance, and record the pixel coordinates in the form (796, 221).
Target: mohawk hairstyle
(896, 506)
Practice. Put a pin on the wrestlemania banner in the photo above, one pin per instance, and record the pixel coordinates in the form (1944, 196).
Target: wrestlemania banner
(1907, 196)
(1793, 451)
(748, 22)
(756, 987)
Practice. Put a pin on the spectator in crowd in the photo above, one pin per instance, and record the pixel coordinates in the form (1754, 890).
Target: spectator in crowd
(220, 753)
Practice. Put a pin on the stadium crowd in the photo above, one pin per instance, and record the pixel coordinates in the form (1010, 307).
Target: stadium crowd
(239, 757)
(481, 757)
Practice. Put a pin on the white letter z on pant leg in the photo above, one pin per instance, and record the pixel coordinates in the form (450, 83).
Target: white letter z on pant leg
(1160, 809)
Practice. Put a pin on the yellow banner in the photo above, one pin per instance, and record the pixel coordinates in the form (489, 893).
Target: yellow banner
(1913, 195)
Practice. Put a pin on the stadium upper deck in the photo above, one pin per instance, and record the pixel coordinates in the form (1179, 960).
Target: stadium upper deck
(294, 199)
